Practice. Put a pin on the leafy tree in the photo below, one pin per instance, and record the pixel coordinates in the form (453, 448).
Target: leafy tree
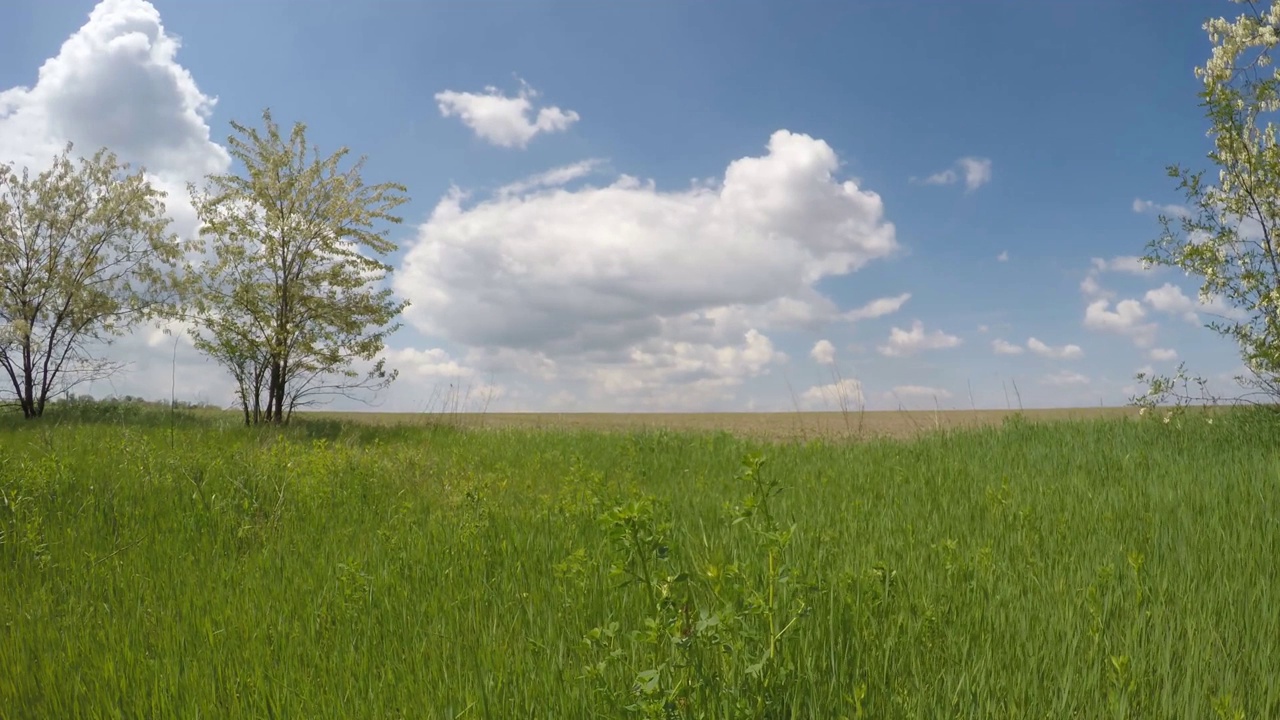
(84, 255)
(291, 295)
(1229, 238)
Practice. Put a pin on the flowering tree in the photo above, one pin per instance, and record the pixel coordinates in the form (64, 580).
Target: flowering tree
(290, 296)
(1228, 239)
(85, 254)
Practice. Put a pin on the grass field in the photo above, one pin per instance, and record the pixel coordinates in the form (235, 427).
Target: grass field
(157, 566)
(766, 426)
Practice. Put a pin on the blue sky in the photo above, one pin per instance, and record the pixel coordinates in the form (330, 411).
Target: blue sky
(1037, 132)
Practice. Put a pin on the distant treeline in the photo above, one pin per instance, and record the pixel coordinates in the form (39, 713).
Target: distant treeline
(72, 400)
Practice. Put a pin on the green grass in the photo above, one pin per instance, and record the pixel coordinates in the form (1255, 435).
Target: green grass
(1092, 569)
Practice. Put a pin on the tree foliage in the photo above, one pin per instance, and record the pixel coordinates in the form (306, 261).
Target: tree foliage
(84, 255)
(1229, 237)
(291, 294)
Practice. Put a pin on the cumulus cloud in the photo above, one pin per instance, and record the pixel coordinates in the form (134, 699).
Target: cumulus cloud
(1064, 352)
(1169, 298)
(842, 395)
(1127, 319)
(1091, 288)
(975, 171)
(909, 342)
(823, 352)
(586, 277)
(1004, 347)
(115, 82)
(1163, 354)
(504, 120)
(673, 375)
(430, 363)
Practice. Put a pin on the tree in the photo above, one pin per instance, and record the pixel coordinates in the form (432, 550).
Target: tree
(1229, 237)
(291, 294)
(84, 255)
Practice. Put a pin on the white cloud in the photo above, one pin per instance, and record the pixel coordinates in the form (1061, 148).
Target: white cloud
(1126, 319)
(601, 280)
(908, 342)
(1163, 354)
(1065, 377)
(1003, 256)
(1090, 288)
(1127, 264)
(554, 177)
(1004, 347)
(823, 352)
(946, 177)
(1065, 352)
(976, 172)
(921, 391)
(1130, 264)
(1173, 211)
(654, 374)
(432, 363)
(877, 308)
(845, 394)
(1169, 298)
(504, 120)
(115, 82)
(662, 373)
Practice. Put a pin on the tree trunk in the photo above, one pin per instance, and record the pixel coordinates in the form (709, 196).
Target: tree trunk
(277, 392)
(28, 398)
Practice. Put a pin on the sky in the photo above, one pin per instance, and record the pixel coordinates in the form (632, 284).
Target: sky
(671, 206)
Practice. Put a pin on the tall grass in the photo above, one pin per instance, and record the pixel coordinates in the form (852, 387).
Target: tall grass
(152, 567)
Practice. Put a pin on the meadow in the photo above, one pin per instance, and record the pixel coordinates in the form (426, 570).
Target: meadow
(177, 565)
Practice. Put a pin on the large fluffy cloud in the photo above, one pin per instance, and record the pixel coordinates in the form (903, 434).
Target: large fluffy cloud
(603, 273)
(1169, 298)
(115, 82)
(1127, 319)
